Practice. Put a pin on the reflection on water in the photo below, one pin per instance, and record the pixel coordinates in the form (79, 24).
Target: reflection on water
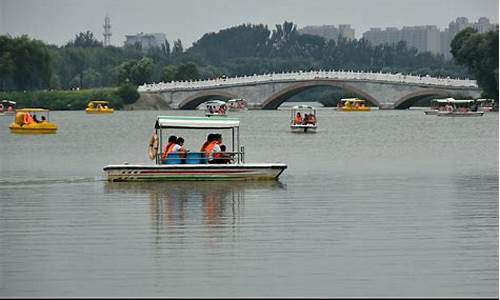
(384, 204)
(179, 204)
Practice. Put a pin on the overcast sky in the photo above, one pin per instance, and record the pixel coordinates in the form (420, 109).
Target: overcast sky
(58, 21)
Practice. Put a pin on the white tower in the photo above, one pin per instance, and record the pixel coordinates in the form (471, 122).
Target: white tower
(107, 31)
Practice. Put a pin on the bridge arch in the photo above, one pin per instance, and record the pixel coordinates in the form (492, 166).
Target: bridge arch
(275, 100)
(410, 99)
(193, 101)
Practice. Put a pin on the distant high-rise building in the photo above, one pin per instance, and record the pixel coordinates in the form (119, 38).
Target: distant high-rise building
(329, 32)
(428, 37)
(146, 41)
(107, 31)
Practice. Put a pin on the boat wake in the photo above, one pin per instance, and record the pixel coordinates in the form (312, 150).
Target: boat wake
(45, 181)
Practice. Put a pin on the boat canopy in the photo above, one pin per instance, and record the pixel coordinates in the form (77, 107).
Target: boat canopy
(485, 100)
(445, 100)
(352, 100)
(452, 100)
(235, 100)
(303, 107)
(32, 110)
(463, 101)
(8, 101)
(99, 102)
(218, 102)
(196, 122)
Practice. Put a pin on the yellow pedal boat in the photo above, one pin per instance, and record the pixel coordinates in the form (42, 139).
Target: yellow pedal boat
(352, 104)
(26, 122)
(99, 107)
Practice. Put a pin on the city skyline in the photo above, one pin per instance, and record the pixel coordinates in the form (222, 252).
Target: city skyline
(176, 19)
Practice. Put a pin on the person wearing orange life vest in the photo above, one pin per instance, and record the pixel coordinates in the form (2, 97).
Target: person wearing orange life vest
(298, 118)
(28, 119)
(209, 139)
(213, 149)
(170, 147)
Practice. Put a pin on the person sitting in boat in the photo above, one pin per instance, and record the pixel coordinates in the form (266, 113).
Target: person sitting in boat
(225, 158)
(35, 119)
(306, 119)
(298, 119)
(28, 119)
(312, 119)
(182, 151)
(209, 139)
(9, 108)
(99, 106)
(43, 119)
(170, 147)
(213, 150)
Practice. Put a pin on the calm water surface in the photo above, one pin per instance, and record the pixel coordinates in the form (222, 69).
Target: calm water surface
(379, 204)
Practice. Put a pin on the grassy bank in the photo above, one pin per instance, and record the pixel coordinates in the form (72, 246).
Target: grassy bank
(63, 100)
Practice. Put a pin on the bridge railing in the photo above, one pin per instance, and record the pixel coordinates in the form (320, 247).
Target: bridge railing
(300, 76)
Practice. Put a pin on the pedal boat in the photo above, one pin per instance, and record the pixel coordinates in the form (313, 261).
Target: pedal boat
(45, 127)
(353, 104)
(461, 108)
(307, 127)
(99, 107)
(7, 108)
(215, 108)
(194, 166)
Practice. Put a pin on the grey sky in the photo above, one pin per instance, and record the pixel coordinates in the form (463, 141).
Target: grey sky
(58, 21)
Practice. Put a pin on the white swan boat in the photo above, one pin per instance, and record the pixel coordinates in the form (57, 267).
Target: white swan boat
(194, 165)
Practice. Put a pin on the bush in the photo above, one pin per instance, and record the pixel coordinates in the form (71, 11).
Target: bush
(128, 93)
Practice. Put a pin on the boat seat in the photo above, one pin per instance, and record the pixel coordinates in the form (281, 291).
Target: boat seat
(173, 159)
(194, 158)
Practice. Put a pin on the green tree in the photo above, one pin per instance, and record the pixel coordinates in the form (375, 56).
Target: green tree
(136, 71)
(187, 71)
(128, 93)
(178, 49)
(84, 40)
(479, 52)
(29, 62)
(169, 73)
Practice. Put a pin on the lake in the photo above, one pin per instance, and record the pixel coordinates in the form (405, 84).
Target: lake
(389, 203)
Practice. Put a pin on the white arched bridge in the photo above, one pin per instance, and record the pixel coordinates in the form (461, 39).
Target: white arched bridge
(268, 91)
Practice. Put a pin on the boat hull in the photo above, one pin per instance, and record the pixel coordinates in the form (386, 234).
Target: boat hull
(303, 128)
(183, 172)
(461, 114)
(352, 109)
(99, 111)
(39, 128)
(431, 112)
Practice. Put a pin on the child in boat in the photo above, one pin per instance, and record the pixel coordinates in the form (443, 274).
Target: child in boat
(225, 158)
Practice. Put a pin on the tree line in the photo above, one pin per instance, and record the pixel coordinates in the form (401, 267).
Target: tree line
(28, 64)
